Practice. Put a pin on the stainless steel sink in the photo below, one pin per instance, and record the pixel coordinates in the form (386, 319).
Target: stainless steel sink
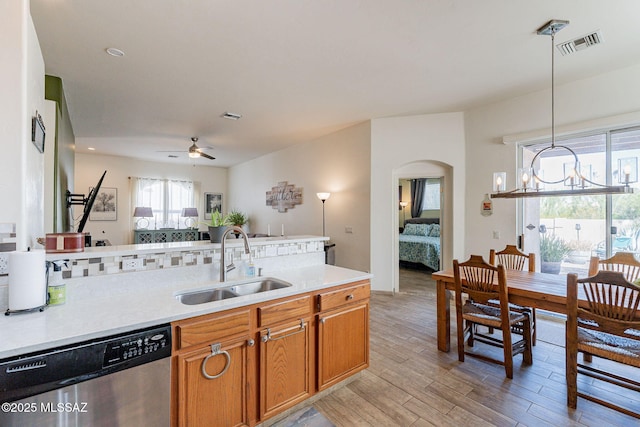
(209, 295)
(234, 290)
(263, 285)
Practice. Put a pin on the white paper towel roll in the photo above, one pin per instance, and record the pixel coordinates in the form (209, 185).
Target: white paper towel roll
(27, 281)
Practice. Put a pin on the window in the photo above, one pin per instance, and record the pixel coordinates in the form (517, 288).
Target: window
(431, 199)
(588, 225)
(166, 198)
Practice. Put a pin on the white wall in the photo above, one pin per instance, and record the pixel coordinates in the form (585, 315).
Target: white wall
(89, 168)
(433, 144)
(588, 100)
(338, 163)
(22, 89)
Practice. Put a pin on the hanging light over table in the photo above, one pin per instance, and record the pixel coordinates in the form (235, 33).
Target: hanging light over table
(576, 177)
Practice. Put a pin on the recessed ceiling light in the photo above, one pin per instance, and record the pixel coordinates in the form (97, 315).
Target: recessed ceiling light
(115, 52)
(231, 116)
(91, 149)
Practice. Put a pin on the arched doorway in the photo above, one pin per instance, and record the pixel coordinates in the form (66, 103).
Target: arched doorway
(426, 169)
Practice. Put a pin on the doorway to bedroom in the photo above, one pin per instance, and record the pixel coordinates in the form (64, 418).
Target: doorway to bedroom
(419, 237)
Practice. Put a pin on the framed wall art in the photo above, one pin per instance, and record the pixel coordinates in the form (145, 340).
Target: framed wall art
(212, 202)
(105, 207)
(38, 132)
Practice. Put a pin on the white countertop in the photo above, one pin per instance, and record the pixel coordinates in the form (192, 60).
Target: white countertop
(107, 305)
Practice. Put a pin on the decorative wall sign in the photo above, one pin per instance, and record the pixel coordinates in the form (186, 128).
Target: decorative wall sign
(284, 196)
(487, 206)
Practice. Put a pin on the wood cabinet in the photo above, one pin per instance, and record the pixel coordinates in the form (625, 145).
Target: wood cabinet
(285, 359)
(219, 398)
(245, 365)
(343, 334)
(212, 373)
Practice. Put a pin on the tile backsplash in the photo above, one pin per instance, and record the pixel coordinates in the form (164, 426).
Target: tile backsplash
(96, 266)
(7, 244)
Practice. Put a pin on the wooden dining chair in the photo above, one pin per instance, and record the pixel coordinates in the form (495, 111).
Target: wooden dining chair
(513, 259)
(623, 262)
(608, 326)
(479, 284)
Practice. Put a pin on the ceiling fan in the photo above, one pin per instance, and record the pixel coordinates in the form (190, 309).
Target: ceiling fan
(194, 151)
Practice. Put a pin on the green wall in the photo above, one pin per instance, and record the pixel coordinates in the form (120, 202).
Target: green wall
(64, 157)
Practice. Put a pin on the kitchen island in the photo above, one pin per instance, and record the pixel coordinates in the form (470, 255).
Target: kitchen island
(114, 290)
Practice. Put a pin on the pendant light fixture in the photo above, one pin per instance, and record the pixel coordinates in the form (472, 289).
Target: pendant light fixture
(530, 182)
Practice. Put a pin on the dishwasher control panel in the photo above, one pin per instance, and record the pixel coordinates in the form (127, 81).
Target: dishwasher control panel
(146, 344)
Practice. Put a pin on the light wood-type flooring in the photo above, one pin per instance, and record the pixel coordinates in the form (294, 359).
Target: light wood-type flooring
(411, 383)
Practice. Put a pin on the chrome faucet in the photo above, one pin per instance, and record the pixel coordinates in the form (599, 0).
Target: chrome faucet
(247, 250)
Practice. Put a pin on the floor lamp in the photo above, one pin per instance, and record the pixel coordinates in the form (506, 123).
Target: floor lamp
(323, 197)
(403, 205)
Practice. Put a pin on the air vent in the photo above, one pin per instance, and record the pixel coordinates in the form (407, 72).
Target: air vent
(580, 43)
(27, 366)
(231, 116)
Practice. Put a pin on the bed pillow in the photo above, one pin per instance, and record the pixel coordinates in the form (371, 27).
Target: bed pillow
(410, 229)
(417, 229)
(435, 230)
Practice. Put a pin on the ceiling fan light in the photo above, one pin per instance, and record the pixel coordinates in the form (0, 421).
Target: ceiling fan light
(194, 154)
(113, 51)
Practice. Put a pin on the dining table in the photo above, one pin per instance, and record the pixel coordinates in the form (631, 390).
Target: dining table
(544, 291)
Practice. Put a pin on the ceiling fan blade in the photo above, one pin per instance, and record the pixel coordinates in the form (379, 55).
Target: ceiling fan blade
(206, 156)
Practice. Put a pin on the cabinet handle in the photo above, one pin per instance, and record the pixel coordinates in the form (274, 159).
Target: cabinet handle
(268, 337)
(323, 320)
(215, 350)
(250, 343)
(349, 297)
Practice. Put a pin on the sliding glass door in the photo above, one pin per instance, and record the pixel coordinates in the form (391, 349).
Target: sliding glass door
(565, 231)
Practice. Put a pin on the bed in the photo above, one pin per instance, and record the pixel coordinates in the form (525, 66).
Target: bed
(419, 242)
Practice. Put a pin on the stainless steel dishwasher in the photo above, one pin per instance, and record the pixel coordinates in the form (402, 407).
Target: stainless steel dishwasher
(121, 380)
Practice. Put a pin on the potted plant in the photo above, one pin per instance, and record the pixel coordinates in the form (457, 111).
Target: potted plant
(238, 219)
(217, 226)
(552, 251)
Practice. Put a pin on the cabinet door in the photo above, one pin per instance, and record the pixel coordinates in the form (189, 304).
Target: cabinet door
(143, 237)
(284, 367)
(343, 343)
(218, 401)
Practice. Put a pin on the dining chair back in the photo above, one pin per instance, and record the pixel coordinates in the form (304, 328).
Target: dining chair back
(513, 258)
(477, 279)
(623, 262)
(606, 326)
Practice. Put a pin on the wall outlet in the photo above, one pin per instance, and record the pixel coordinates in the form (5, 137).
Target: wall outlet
(132, 264)
(348, 230)
(496, 234)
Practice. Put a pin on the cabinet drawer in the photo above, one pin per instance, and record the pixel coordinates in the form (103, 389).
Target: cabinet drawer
(282, 311)
(211, 328)
(332, 299)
